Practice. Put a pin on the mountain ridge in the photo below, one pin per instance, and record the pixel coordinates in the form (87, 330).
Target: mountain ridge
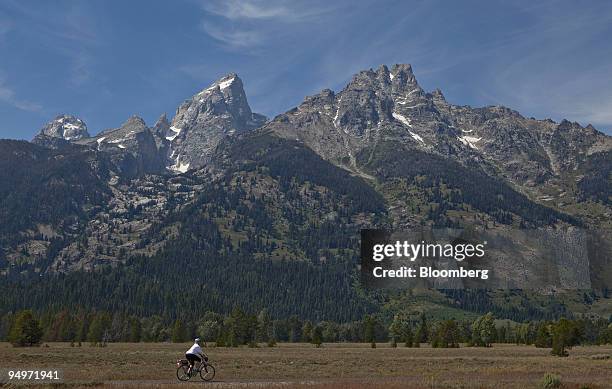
(187, 141)
(381, 118)
(218, 187)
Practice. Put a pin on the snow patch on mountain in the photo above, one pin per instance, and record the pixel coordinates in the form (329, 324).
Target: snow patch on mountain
(469, 141)
(179, 166)
(226, 83)
(176, 132)
(405, 121)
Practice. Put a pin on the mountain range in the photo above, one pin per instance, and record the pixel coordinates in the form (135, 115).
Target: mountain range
(219, 181)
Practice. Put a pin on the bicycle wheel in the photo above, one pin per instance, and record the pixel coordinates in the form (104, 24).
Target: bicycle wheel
(207, 373)
(182, 373)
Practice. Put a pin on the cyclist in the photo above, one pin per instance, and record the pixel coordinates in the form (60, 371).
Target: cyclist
(195, 354)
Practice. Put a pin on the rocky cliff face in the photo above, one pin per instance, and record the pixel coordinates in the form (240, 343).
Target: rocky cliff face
(133, 148)
(219, 111)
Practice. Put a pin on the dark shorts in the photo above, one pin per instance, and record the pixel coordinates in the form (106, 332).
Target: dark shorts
(192, 358)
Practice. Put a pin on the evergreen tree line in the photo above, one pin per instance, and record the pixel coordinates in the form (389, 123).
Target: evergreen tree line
(241, 328)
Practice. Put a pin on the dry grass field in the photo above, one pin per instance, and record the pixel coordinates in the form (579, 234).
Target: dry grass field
(331, 366)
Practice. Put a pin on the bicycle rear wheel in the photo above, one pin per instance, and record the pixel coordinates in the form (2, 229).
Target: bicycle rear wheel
(182, 373)
(207, 372)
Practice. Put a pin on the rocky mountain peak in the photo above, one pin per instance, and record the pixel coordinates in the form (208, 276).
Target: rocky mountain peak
(403, 79)
(131, 128)
(64, 127)
(388, 105)
(133, 147)
(162, 121)
(403, 70)
(161, 127)
(134, 123)
(61, 131)
(227, 84)
(201, 122)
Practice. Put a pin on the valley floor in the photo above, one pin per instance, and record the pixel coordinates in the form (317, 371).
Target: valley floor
(331, 366)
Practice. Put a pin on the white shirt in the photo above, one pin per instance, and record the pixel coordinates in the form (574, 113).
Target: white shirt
(195, 350)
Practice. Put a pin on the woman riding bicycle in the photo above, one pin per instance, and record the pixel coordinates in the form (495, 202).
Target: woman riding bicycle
(195, 354)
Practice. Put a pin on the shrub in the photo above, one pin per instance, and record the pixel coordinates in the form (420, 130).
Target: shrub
(550, 381)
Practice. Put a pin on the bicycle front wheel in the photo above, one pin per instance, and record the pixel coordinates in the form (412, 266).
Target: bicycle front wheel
(182, 373)
(207, 373)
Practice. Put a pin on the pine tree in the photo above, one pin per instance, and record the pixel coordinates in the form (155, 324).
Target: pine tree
(408, 338)
(135, 330)
(422, 334)
(83, 329)
(483, 331)
(307, 331)
(393, 342)
(97, 332)
(565, 334)
(295, 328)
(446, 335)
(400, 329)
(369, 323)
(25, 331)
(543, 335)
(178, 332)
(317, 336)
(263, 326)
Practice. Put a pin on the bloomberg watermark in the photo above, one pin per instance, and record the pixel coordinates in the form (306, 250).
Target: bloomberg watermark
(471, 258)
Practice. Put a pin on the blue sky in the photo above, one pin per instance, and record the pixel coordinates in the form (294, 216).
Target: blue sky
(107, 60)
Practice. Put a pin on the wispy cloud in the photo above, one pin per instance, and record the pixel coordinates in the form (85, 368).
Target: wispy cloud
(8, 96)
(251, 23)
(233, 37)
(534, 82)
(262, 10)
(247, 9)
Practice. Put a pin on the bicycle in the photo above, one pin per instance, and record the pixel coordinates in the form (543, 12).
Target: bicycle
(205, 369)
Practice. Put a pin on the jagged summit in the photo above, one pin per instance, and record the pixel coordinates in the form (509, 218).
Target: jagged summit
(161, 129)
(67, 127)
(376, 106)
(162, 122)
(200, 123)
(222, 83)
(187, 141)
(387, 105)
(64, 128)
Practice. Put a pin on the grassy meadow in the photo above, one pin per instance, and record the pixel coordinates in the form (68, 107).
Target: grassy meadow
(331, 366)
